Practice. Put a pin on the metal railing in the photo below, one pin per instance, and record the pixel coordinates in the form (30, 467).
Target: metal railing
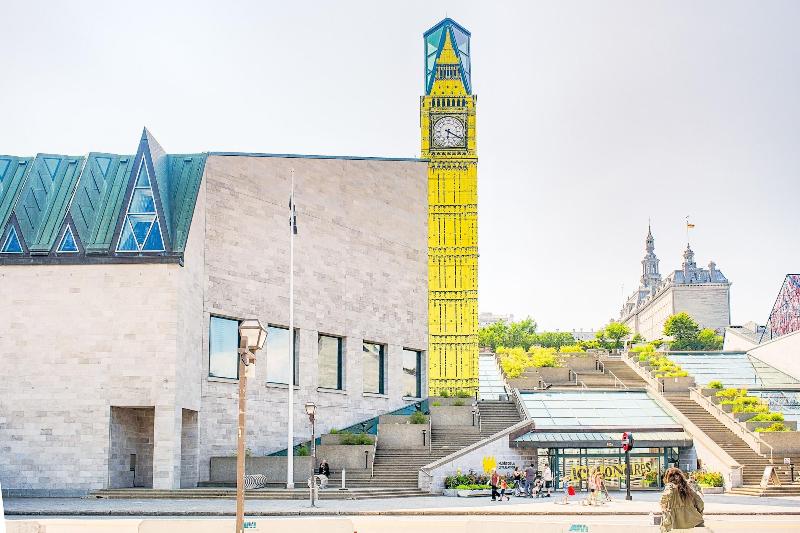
(742, 431)
(618, 383)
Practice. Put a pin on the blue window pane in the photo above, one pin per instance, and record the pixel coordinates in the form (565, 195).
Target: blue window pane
(143, 180)
(329, 360)
(141, 227)
(68, 243)
(154, 241)
(372, 367)
(278, 368)
(12, 244)
(412, 382)
(127, 243)
(223, 357)
(142, 201)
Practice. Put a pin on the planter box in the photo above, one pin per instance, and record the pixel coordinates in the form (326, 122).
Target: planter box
(728, 408)
(450, 492)
(578, 363)
(677, 384)
(473, 493)
(444, 402)
(403, 436)
(708, 393)
(785, 443)
(751, 426)
(716, 400)
(223, 469)
(448, 415)
(341, 456)
(335, 438)
(712, 490)
(554, 376)
(743, 417)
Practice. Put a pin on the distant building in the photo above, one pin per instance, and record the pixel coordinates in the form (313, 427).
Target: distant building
(583, 335)
(486, 319)
(742, 338)
(703, 293)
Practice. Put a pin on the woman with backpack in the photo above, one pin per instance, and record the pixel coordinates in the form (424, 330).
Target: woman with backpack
(681, 507)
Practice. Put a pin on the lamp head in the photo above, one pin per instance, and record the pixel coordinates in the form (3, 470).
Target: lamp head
(310, 408)
(253, 334)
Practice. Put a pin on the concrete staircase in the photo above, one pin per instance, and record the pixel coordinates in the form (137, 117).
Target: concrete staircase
(497, 416)
(625, 374)
(739, 450)
(298, 493)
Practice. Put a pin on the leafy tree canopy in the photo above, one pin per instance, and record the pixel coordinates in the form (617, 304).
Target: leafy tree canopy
(521, 334)
(687, 335)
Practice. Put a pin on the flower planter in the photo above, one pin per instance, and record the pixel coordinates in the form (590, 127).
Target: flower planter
(450, 492)
(708, 393)
(393, 436)
(751, 426)
(728, 408)
(223, 469)
(744, 417)
(784, 443)
(474, 493)
(452, 415)
(351, 457)
(712, 490)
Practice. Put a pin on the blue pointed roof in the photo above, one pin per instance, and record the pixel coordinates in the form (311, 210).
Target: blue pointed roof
(434, 43)
(12, 177)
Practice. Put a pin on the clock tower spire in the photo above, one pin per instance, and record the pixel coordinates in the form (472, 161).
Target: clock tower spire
(447, 120)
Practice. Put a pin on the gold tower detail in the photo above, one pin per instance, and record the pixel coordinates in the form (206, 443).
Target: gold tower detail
(447, 120)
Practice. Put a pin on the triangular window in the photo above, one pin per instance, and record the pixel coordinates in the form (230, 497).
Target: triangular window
(141, 230)
(68, 242)
(12, 244)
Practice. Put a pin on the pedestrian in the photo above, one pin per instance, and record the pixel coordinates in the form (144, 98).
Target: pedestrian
(681, 507)
(503, 488)
(530, 474)
(518, 481)
(548, 479)
(324, 473)
(599, 483)
(592, 482)
(494, 481)
(567, 488)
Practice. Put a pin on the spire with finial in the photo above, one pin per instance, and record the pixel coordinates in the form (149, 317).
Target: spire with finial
(650, 275)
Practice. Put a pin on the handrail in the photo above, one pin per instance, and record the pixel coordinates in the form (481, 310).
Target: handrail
(374, 452)
(739, 429)
(601, 366)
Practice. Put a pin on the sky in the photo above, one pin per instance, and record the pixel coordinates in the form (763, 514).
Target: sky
(592, 118)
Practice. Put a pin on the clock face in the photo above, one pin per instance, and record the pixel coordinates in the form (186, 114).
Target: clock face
(449, 132)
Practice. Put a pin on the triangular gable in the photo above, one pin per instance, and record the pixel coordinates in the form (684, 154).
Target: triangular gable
(69, 241)
(450, 33)
(140, 228)
(12, 241)
(785, 315)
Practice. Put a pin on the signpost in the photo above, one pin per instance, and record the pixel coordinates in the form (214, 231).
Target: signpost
(627, 446)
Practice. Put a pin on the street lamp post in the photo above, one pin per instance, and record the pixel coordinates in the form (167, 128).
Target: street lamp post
(311, 409)
(252, 336)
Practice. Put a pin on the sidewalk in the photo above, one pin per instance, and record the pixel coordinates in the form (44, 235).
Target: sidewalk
(642, 504)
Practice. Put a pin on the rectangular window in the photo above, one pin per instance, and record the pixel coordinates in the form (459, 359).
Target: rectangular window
(223, 348)
(412, 375)
(331, 375)
(278, 356)
(373, 367)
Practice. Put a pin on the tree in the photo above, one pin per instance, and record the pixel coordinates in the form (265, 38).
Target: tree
(638, 339)
(709, 340)
(510, 335)
(615, 332)
(554, 339)
(683, 330)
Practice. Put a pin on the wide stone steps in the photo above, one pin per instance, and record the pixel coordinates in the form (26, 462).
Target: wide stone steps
(734, 446)
(770, 491)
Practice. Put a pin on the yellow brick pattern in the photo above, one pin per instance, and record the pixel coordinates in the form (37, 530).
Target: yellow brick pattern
(452, 235)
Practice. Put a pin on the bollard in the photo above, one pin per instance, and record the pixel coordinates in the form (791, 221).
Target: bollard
(424, 432)
(366, 459)
(344, 473)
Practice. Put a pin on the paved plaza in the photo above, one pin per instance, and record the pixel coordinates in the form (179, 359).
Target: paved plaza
(642, 504)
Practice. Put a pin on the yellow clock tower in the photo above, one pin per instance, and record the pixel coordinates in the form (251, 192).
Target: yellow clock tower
(447, 120)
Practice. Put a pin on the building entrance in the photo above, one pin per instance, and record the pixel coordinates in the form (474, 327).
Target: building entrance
(577, 464)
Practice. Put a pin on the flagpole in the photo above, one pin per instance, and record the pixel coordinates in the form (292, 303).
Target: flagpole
(290, 419)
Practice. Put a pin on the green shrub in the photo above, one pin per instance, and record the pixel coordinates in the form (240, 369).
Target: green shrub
(760, 408)
(716, 384)
(436, 403)
(461, 393)
(472, 487)
(709, 479)
(572, 349)
(774, 428)
(417, 417)
(767, 417)
(731, 393)
(545, 358)
(458, 403)
(444, 393)
(302, 451)
(355, 439)
(673, 373)
(471, 478)
(335, 431)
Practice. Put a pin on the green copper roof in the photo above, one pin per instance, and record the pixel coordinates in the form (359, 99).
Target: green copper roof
(45, 197)
(93, 192)
(98, 199)
(12, 177)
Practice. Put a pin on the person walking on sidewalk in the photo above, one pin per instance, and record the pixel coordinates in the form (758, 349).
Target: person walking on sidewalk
(530, 474)
(681, 507)
(548, 480)
(503, 489)
(494, 481)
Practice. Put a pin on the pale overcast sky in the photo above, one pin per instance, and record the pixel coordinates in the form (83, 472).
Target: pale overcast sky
(592, 118)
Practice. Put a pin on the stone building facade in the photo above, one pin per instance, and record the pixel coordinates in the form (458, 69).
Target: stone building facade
(123, 277)
(703, 293)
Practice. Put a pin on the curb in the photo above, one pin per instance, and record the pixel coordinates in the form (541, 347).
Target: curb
(321, 512)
